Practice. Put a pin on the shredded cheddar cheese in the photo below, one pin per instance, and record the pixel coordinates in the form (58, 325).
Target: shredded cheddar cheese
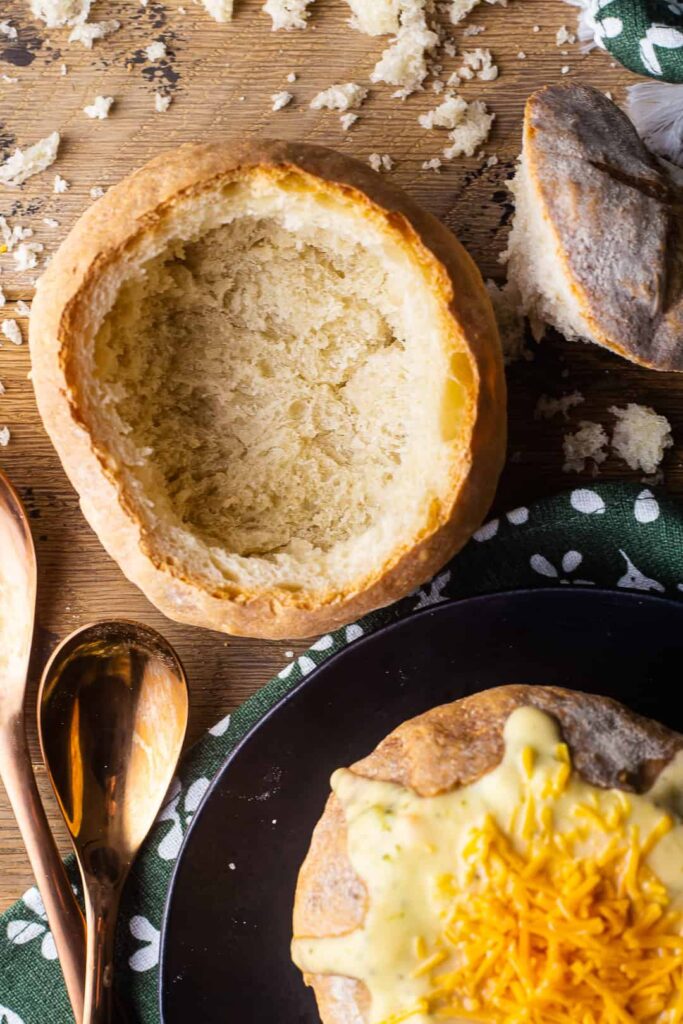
(528, 896)
(544, 936)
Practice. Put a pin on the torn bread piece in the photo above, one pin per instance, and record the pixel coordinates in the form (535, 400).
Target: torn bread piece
(375, 17)
(288, 14)
(220, 10)
(588, 442)
(595, 248)
(404, 62)
(24, 163)
(641, 436)
(340, 97)
(57, 13)
(459, 9)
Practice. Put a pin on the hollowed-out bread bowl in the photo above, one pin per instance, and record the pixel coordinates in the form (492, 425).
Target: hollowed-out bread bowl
(275, 384)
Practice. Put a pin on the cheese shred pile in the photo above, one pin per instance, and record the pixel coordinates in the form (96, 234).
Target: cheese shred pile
(539, 932)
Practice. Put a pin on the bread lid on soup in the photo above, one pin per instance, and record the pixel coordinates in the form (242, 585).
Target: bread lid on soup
(275, 383)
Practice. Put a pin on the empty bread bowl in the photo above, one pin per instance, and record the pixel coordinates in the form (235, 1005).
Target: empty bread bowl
(275, 383)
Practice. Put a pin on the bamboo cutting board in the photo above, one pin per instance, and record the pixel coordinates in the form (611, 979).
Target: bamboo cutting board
(221, 78)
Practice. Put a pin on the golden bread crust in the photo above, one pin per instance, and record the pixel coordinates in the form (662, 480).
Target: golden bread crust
(448, 747)
(63, 307)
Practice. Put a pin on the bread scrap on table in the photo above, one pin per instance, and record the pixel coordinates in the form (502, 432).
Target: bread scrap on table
(515, 855)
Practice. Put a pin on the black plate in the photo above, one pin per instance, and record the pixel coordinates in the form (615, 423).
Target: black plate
(226, 933)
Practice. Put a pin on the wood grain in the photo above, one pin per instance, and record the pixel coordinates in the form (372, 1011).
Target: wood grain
(221, 79)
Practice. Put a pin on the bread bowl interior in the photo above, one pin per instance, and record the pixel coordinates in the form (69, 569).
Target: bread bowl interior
(276, 382)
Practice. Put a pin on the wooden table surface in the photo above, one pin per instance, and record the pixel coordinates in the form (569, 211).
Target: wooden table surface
(221, 78)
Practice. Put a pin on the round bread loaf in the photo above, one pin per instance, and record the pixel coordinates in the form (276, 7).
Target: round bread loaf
(275, 383)
(443, 750)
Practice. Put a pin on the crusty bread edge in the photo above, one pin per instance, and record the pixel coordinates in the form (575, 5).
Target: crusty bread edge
(587, 306)
(108, 228)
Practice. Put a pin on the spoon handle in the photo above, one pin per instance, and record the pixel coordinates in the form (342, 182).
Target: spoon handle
(102, 908)
(63, 913)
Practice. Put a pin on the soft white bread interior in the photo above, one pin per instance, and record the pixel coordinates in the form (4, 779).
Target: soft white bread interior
(595, 246)
(275, 384)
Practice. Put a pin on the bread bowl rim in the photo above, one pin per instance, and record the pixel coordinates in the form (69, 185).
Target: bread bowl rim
(137, 206)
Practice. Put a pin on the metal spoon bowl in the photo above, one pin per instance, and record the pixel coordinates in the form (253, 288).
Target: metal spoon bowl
(18, 576)
(112, 715)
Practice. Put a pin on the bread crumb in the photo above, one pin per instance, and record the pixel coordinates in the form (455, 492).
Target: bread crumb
(3, 297)
(521, 55)
(547, 407)
(87, 32)
(23, 164)
(380, 162)
(563, 35)
(8, 30)
(640, 436)
(471, 132)
(287, 14)
(435, 164)
(99, 108)
(3, 389)
(447, 115)
(161, 102)
(23, 308)
(11, 330)
(459, 9)
(57, 13)
(26, 255)
(348, 120)
(588, 442)
(491, 161)
(404, 62)
(50, 222)
(437, 86)
(96, 192)
(4, 436)
(478, 62)
(449, 48)
(281, 99)
(291, 77)
(536, 28)
(473, 30)
(63, 69)
(11, 236)
(156, 50)
(505, 302)
(8, 79)
(232, 866)
(375, 17)
(340, 97)
(220, 10)
(565, 70)
(61, 184)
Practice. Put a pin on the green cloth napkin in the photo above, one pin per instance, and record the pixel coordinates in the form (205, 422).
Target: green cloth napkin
(611, 535)
(644, 35)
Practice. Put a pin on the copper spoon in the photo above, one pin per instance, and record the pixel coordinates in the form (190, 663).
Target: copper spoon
(17, 608)
(112, 714)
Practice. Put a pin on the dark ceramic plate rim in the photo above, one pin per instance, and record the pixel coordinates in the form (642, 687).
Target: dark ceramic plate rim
(311, 679)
